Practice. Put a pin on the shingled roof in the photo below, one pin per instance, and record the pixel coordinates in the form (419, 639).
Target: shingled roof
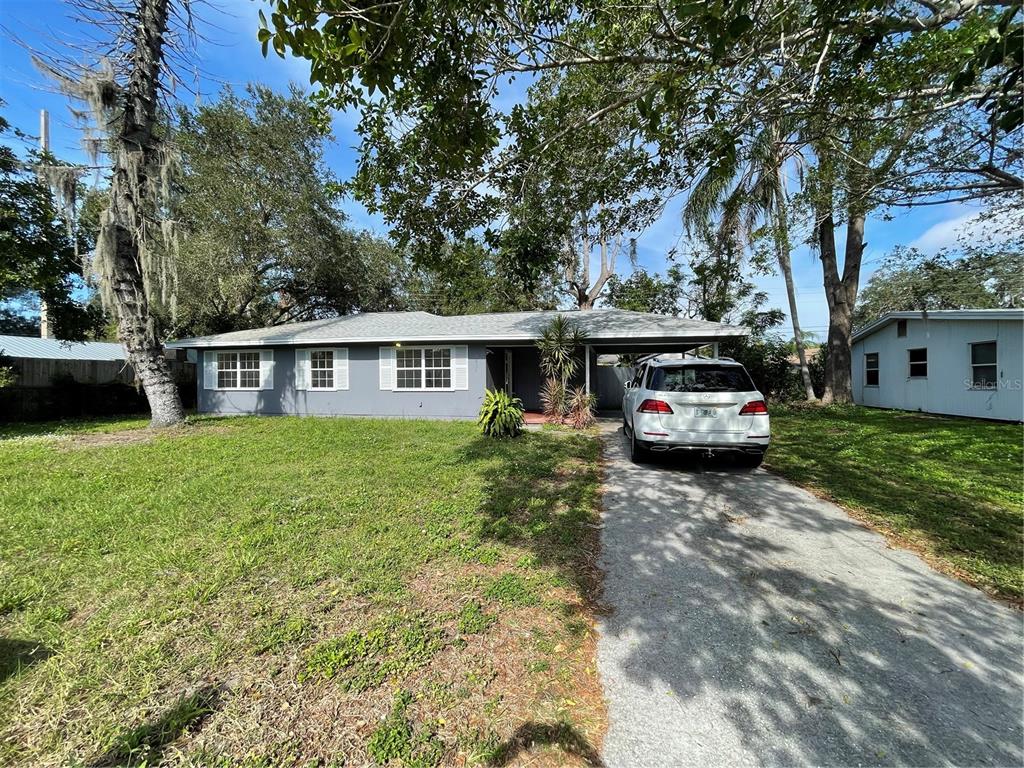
(600, 325)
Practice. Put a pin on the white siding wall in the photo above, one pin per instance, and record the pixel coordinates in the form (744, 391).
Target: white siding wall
(947, 388)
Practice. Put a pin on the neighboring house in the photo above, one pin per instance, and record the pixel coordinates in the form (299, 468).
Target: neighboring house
(958, 362)
(417, 364)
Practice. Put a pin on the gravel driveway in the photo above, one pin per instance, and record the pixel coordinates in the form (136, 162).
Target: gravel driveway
(752, 623)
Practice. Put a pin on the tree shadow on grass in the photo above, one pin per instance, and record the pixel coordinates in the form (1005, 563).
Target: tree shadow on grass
(540, 494)
(144, 745)
(16, 655)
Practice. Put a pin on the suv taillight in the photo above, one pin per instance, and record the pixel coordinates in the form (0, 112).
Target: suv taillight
(654, 406)
(754, 408)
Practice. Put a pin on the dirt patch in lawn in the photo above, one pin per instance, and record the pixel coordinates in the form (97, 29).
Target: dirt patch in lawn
(136, 436)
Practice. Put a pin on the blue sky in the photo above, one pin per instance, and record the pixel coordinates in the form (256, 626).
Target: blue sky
(231, 56)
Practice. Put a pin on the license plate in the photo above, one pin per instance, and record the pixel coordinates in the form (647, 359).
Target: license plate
(708, 413)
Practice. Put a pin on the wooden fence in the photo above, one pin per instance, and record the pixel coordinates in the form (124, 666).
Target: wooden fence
(45, 388)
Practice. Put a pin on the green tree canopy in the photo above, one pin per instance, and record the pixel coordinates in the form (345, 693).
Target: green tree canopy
(644, 292)
(265, 241)
(471, 277)
(965, 279)
(38, 258)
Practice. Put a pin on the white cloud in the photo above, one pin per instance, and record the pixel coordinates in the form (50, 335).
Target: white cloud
(964, 228)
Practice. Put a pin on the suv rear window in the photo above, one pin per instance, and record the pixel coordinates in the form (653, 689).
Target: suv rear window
(700, 378)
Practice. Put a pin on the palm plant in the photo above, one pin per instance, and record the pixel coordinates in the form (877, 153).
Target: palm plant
(558, 343)
(744, 190)
(581, 408)
(553, 399)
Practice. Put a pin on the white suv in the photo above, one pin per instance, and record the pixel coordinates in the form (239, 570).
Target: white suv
(695, 404)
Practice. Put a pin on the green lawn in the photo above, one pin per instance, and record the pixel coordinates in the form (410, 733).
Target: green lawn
(296, 591)
(950, 488)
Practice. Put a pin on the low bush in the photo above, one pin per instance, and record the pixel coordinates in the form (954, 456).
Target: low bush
(501, 415)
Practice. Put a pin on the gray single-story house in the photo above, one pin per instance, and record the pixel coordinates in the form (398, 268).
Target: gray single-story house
(416, 364)
(966, 362)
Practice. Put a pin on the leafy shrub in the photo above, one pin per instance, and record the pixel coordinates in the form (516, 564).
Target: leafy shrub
(501, 415)
(581, 408)
(8, 372)
(766, 358)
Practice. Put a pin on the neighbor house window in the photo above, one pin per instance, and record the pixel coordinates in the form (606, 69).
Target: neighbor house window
(238, 370)
(871, 369)
(321, 369)
(901, 327)
(428, 368)
(983, 365)
(918, 359)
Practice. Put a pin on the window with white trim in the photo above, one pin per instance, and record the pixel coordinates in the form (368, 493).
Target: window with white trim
(871, 369)
(321, 369)
(238, 370)
(423, 368)
(984, 371)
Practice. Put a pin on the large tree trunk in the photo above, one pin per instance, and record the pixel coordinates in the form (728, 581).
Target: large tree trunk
(841, 293)
(782, 254)
(135, 156)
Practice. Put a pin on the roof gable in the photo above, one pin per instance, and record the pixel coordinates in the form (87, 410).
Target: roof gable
(938, 314)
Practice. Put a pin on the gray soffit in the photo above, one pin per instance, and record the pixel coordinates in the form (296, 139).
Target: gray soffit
(607, 325)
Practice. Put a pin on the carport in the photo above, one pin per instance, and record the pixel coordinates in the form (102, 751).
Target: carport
(515, 364)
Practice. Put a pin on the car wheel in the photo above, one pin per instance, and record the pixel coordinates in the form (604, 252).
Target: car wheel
(750, 460)
(637, 453)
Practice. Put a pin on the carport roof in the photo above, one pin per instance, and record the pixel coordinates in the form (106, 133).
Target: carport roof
(609, 326)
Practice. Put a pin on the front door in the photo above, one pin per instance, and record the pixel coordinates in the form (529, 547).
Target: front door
(508, 371)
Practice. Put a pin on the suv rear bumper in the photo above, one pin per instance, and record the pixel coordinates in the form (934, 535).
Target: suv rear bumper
(663, 446)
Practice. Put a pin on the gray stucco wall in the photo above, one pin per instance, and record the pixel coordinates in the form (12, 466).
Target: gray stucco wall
(947, 388)
(363, 397)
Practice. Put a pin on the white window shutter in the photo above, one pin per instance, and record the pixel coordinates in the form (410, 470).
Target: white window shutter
(209, 370)
(341, 368)
(460, 367)
(302, 369)
(266, 369)
(387, 368)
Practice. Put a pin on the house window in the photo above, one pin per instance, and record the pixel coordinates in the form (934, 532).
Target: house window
(238, 370)
(871, 369)
(984, 374)
(427, 368)
(918, 359)
(321, 369)
(901, 327)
